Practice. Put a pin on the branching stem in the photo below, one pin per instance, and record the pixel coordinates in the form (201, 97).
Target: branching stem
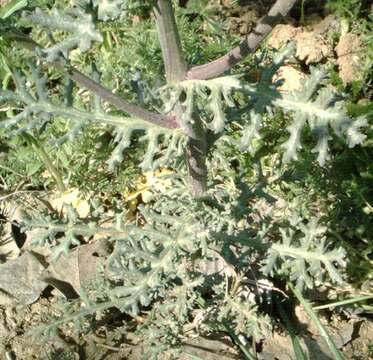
(176, 68)
(134, 110)
(168, 34)
(217, 67)
(101, 91)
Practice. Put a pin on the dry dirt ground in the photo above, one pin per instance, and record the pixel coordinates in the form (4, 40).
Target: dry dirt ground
(353, 334)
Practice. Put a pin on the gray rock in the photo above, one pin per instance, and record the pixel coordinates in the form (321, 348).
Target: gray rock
(19, 280)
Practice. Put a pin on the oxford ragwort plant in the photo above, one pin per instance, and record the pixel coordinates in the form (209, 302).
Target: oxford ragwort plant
(185, 261)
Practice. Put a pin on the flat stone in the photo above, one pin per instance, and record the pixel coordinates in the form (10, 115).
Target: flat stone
(19, 280)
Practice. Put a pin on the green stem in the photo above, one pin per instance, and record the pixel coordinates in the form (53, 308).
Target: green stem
(176, 68)
(168, 34)
(297, 348)
(11, 170)
(313, 316)
(238, 342)
(8, 75)
(98, 89)
(344, 302)
(301, 21)
(39, 150)
(225, 327)
(249, 45)
(196, 158)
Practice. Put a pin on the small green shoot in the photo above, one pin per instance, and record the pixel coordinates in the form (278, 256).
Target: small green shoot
(297, 348)
(11, 7)
(313, 315)
(344, 302)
